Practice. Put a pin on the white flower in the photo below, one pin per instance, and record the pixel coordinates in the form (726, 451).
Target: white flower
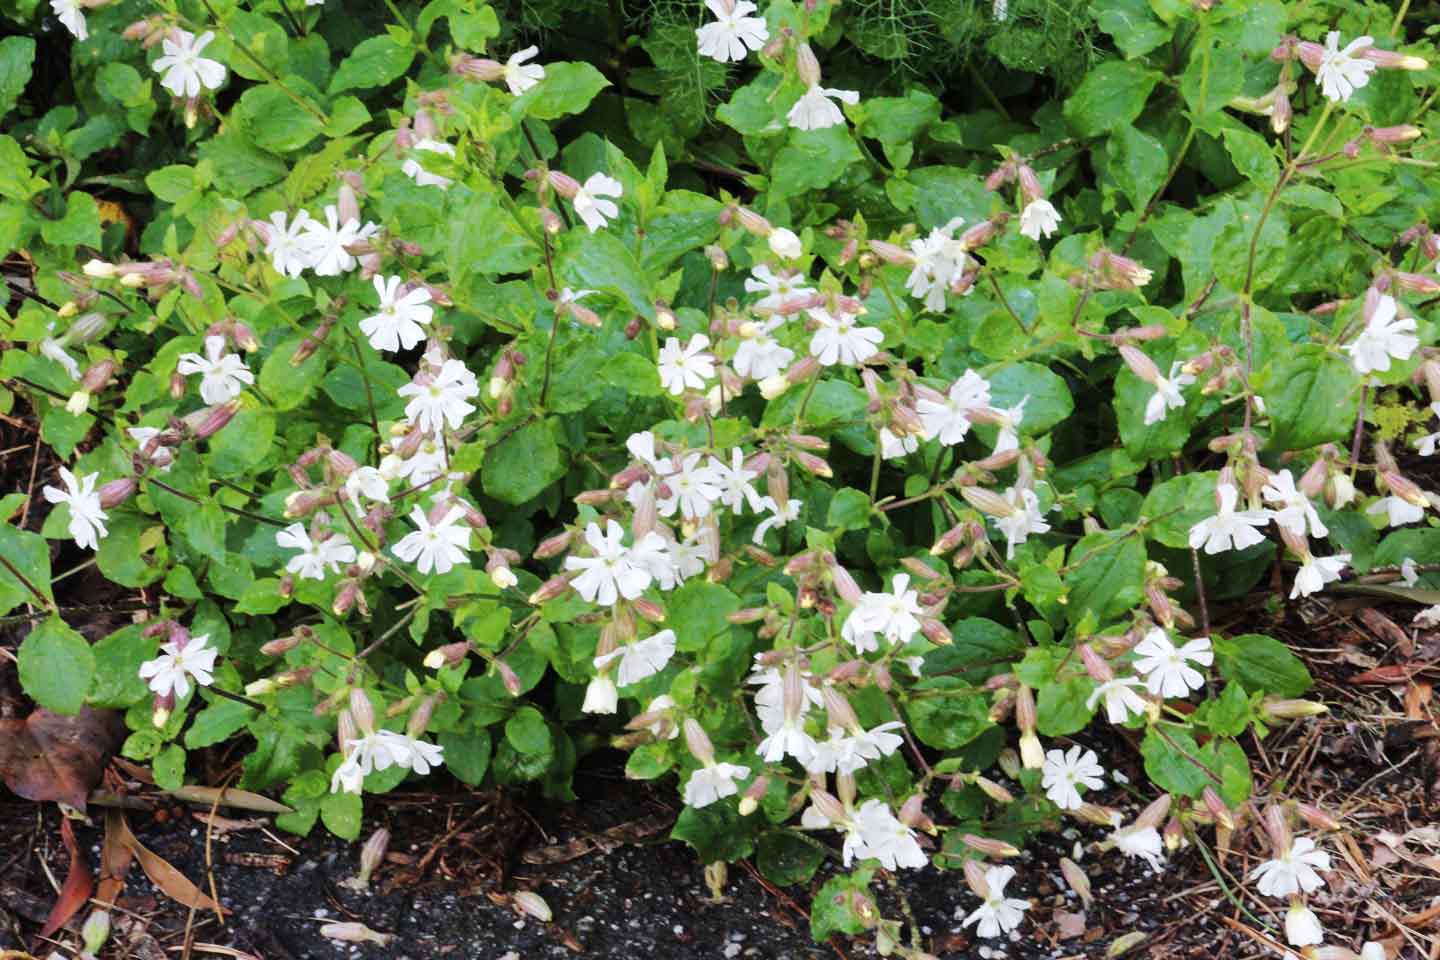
(315, 555)
(367, 482)
(611, 572)
(1373, 951)
(410, 753)
(881, 836)
(1063, 774)
(664, 728)
(1385, 336)
(171, 672)
(940, 259)
(1026, 518)
(70, 13)
(427, 463)
(185, 71)
(1425, 445)
(438, 546)
(416, 171)
(732, 32)
(1009, 436)
(222, 375)
(349, 777)
(1296, 513)
(289, 246)
(949, 420)
(1408, 572)
(1341, 73)
(815, 109)
(1166, 669)
(521, 76)
(777, 287)
(839, 340)
(596, 212)
(895, 615)
(326, 242)
(1120, 700)
(998, 914)
(443, 400)
(1144, 842)
(400, 322)
(1429, 617)
(1000, 10)
(778, 517)
(1167, 394)
(893, 447)
(1302, 927)
(685, 367)
(693, 487)
(87, 519)
(713, 782)
(600, 695)
(163, 457)
(734, 481)
(785, 244)
(641, 659)
(760, 355)
(1039, 218)
(1293, 871)
(1229, 530)
(1315, 572)
(55, 350)
(846, 753)
(1398, 511)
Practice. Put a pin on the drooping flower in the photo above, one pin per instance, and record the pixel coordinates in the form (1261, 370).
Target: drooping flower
(72, 15)
(1293, 871)
(940, 259)
(87, 519)
(288, 247)
(1229, 529)
(610, 573)
(1315, 572)
(839, 340)
(521, 76)
(785, 244)
(881, 836)
(685, 367)
(1341, 71)
(1142, 841)
(222, 375)
(816, 109)
(1121, 700)
(171, 672)
(438, 546)
(998, 914)
(948, 420)
(1039, 218)
(185, 71)
(444, 400)
(641, 659)
(601, 695)
(1025, 518)
(402, 317)
(1296, 513)
(1167, 669)
(589, 203)
(893, 447)
(1386, 336)
(412, 753)
(779, 516)
(1398, 511)
(1008, 438)
(1302, 927)
(1167, 394)
(415, 170)
(734, 33)
(713, 782)
(315, 555)
(1063, 773)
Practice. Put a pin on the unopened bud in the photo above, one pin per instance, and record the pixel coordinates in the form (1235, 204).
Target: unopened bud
(989, 846)
(550, 589)
(994, 790)
(1125, 943)
(807, 66)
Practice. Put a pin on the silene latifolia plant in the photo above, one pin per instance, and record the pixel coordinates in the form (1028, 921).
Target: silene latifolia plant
(854, 461)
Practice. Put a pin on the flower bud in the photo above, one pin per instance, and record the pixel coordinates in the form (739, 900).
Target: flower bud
(698, 741)
(1125, 943)
(117, 492)
(1078, 881)
(994, 790)
(362, 711)
(975, 879)
(532, 904)
(355, 932)
(563, 184)
(1391, 60)
(785, 244)
(550, 589)
(827, 806)
(750, 800)
(990, 846)
(806, 65)
(987, 502)
(509, 679)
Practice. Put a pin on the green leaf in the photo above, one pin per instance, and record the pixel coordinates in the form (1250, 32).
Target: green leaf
(1262, 663)
(1132, 26)
(834, 908)
(56, 667)
(1110, 96)
(80, 225)
(244, 444)
(528, 733)
(567, 88)
(1254, 157)
(1178, 504)
(30, 554)
(1312, 397)
(342, 813)
(1061, 708)
(520, 467)
(1214, 76)
(1175, 762)
(17, 58)
(634, 374)
(275, 121)
(698, 611)
(485, 239)
(943, 193)
(717, 832)
(118, 684)
(849, 510)
(285, 384)
(1047, 398)
(1107, 575)
(373, 63)
(949, 717)
(218, 722)
(467, 754)
(898, 120)
(169, 767)
(15, 180)
(812, 160)
(786, 859)
(1138, 163)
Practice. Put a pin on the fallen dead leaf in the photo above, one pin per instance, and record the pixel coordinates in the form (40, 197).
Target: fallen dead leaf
(51, 756)
(166, 878)
(229, 797)
(79, 884)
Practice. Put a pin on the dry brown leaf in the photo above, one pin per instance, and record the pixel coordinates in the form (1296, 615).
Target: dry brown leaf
(166, 878)
(51, 756)
(79, 884)
(229, 797)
